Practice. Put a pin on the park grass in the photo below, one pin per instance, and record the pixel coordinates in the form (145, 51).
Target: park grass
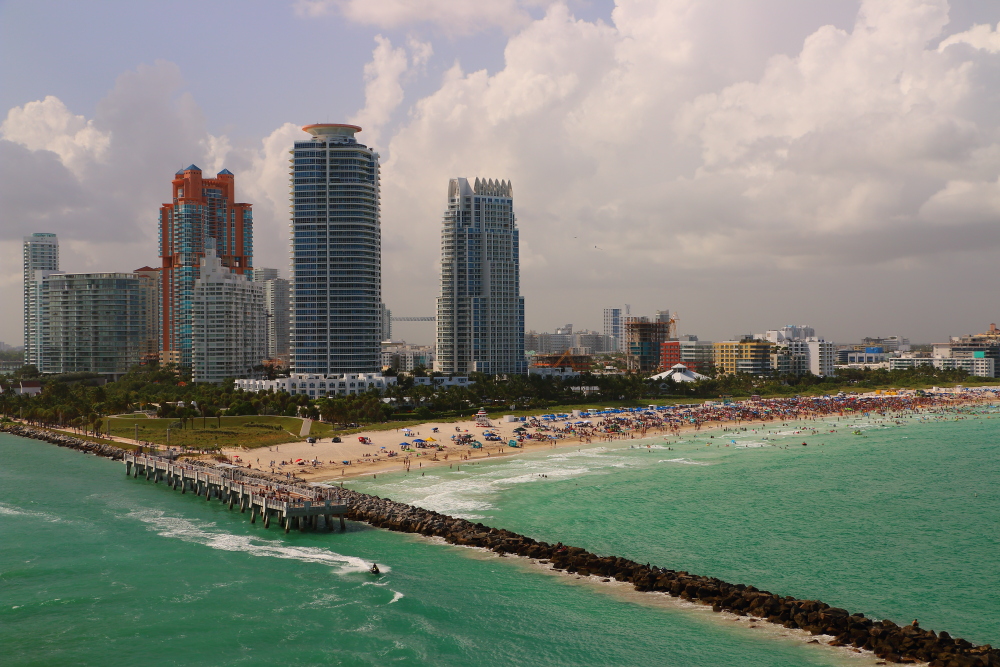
(211, 432)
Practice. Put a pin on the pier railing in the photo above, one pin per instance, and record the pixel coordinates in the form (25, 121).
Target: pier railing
(293, 506)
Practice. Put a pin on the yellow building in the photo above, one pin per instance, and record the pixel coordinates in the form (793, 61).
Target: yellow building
(748, 355)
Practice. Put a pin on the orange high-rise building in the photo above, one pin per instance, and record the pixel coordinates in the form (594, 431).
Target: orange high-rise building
(201, 209)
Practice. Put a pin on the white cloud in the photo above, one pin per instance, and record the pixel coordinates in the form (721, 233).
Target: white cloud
(48, 125)
(980, 36)
(383, 86)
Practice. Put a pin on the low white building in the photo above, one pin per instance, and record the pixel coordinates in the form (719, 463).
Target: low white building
(789, 332)
(820, 355)
(978, 366)
(907, 363)
(458, 381)
(404, 357)
(315, 386)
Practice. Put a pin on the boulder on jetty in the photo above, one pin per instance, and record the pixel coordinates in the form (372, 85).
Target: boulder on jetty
(891, 642)
(63, 440)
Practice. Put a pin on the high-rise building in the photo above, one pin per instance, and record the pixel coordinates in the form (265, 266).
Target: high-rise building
(336, 253)
(201, 209)
(644, 340)
(276, 303)
(613, 327)
(94, 322)
(41, 258)
(152, 291)
(386, 324)
(228, 329)
(480, 313)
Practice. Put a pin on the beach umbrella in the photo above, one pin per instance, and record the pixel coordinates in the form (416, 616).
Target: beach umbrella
(404, 444)
(419, 440)
(431, 440)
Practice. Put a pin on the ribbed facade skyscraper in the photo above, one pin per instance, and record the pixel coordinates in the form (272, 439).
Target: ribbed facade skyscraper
(480, 313)
(41, 258)
(336, 253)
(201, 209)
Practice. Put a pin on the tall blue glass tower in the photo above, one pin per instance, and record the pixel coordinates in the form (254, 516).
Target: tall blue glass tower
(336, 254)
(480, 313)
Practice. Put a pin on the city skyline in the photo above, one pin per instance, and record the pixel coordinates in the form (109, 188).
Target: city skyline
(646, 175)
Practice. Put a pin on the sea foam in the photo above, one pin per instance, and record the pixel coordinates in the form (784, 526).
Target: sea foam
(189, 531)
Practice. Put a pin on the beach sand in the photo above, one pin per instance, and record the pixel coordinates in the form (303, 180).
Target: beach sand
(331, 455)
(351, 449)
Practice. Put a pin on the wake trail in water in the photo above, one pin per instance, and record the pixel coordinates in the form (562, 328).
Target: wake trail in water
(12, 510)
(189, 531)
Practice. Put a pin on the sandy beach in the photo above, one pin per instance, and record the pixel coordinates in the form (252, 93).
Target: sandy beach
(371, 459)
(354, 458)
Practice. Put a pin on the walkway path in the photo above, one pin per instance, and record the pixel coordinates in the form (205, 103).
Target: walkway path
(306, 426)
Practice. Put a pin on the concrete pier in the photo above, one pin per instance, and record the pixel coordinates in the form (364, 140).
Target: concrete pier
(306, 509)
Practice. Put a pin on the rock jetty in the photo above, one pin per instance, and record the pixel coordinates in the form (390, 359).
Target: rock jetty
(889, 641)
(63, 440)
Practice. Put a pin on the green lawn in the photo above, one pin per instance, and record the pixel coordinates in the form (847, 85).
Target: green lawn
(252, 431)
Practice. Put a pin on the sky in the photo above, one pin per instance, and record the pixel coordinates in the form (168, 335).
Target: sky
(744, 163)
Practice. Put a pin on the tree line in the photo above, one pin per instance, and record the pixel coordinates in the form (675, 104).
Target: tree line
(82, 399)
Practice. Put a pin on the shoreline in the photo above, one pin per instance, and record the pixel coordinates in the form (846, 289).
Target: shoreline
(351, 459)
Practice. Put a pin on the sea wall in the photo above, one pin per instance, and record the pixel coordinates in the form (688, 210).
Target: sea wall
(891, 642)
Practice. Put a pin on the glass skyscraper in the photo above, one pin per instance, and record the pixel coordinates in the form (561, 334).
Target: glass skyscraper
(336, 253)
(480, 313)
(41, 258)
(95, 322)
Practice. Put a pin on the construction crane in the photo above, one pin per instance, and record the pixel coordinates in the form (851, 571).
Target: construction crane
(672, 325)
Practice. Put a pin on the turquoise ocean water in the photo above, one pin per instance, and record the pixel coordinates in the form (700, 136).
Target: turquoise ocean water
(100, 569)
